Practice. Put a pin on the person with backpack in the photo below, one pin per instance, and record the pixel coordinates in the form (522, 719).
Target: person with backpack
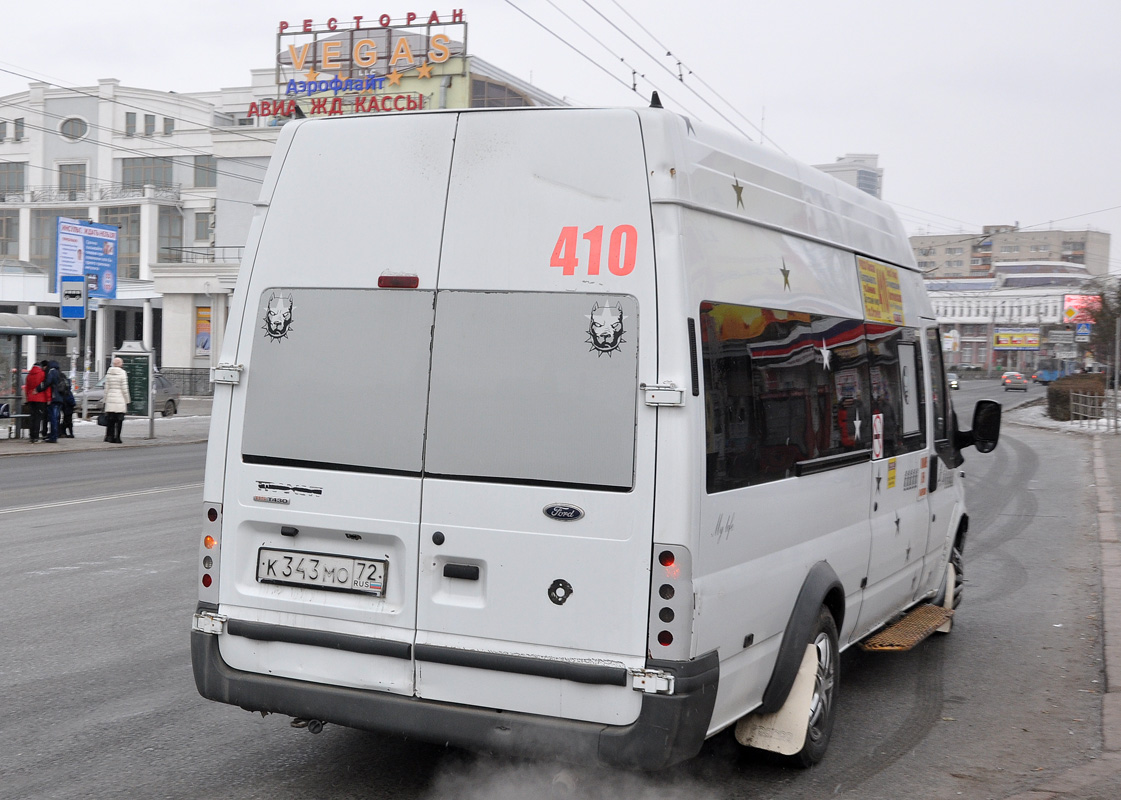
(53, 382)
(66, 426)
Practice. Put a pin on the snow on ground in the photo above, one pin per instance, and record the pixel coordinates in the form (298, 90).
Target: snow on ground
(1036, 417)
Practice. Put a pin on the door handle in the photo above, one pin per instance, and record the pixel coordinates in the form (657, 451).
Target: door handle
(467, 572)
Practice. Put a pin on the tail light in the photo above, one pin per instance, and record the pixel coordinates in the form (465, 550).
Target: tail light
(671, 603)
(210, 552)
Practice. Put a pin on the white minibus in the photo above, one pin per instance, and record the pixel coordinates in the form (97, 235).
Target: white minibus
(571, 433)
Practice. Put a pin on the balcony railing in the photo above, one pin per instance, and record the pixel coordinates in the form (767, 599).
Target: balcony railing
(201, 255)
(105, 191)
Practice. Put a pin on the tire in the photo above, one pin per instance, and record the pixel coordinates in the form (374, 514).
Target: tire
(823, 704)
(959, 575)
(959, 580)
(168, 408)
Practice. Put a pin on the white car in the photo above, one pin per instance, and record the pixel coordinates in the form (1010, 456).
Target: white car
(165, 396)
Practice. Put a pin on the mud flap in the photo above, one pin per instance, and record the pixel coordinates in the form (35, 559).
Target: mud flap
(784, 731)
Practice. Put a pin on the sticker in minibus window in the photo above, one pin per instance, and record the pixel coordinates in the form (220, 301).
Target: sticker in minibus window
(278, 317)
(605, 327)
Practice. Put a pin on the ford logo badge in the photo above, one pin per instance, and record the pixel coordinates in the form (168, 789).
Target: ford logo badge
(563, 513)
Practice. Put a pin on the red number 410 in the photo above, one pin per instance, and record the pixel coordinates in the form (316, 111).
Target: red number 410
(620, 250)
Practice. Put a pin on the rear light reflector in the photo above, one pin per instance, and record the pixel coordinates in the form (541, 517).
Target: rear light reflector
(398, 281)
(665, 638)
(665, 558)
(206, 580)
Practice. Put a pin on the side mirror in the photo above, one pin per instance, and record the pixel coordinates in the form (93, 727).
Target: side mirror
(986, 425)
(986, 428)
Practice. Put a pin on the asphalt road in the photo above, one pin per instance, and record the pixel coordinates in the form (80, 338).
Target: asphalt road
(97, 588)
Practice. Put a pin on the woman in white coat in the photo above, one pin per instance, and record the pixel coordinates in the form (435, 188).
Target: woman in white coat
(116, 401)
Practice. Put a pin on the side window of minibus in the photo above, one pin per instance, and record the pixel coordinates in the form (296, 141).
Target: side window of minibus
(782, 389)
(896, 370)
(938, 394)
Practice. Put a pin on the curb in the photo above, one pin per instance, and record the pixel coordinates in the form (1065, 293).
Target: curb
(1111, 602)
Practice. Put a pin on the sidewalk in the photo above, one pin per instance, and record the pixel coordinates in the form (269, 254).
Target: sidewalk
(191, 424)
(1100, 778)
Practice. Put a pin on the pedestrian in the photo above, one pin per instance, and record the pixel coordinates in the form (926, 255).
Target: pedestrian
(36, 401)
(116, 400)
(66, 390)
(54, 382)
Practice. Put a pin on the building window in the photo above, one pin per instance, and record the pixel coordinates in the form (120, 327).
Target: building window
(149, 124)
(485, 94)
(127, 220)
(141, 171)
(9, 233)
(130, 123)
(168, 126)
(170, 235)
(245, 122)
(974, 262)
(73, 128)
(19, 129)
(1040, 248)
(206, 172)
(72, 179)
(13, 176)
(3, 131)
(44, 237)
(1010, 248)
(954, 251)
(204, 225)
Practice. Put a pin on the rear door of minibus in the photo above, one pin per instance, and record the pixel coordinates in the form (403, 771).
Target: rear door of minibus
(326, 435)
(536, 526)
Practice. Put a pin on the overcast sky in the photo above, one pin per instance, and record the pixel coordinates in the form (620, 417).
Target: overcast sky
(981, 111)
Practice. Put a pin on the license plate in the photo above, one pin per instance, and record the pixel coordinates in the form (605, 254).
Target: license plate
(319, 571)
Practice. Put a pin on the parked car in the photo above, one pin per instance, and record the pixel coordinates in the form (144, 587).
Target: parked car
(953, 379)
(165, 396)
(1014, 380)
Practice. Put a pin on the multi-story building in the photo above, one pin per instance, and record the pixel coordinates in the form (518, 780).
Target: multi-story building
(1010, 319)
(179, 174)
(859, 170)
(972, 255)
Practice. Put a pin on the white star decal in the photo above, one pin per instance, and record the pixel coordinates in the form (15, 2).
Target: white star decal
(825, 355)
(856, 426)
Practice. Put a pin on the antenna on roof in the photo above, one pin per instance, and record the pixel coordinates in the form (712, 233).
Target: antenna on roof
(655, 101)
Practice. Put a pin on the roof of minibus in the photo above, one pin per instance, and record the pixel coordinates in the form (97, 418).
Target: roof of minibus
(699, 166)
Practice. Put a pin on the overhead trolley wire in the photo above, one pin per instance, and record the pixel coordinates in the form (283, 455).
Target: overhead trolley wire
(679, 77)
(585, 56)
(148, 154)
(212, 128)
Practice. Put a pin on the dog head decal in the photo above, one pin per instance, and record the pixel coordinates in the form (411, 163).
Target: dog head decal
(278, 316)
(605, 327)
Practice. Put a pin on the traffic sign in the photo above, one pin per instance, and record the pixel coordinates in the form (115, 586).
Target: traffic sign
(72, 297)
(1082, 331)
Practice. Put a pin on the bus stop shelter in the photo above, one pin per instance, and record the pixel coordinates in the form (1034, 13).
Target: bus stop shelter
(13, 327)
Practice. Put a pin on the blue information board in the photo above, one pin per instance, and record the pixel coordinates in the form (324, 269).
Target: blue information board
(88, 249)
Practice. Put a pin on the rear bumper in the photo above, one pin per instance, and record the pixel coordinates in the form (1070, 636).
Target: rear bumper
(669, 729)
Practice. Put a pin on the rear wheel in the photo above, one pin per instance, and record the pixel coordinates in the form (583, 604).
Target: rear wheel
(823, 703)
(169, 408)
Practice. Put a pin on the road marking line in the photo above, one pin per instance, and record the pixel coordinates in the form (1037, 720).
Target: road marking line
(99, 499)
